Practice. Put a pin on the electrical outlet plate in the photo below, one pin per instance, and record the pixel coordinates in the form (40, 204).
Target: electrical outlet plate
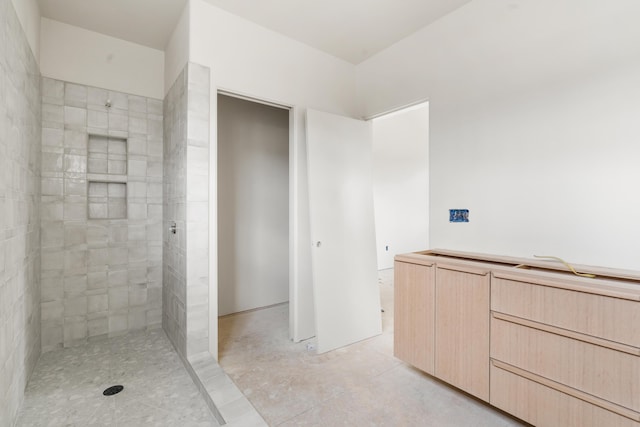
(458, 215)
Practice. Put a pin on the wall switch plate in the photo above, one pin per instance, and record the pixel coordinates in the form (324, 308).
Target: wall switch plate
(458, 215)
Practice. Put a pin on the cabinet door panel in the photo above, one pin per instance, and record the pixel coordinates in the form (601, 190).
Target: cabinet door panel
(413, 340)
(462, 333)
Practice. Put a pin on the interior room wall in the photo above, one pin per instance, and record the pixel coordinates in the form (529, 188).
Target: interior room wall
(401, 182)
(101, 247)
(533, 125)
(20, 114)
(28, 12)
(250, 60)
(253, 205)
(176, 53)
(85, 57)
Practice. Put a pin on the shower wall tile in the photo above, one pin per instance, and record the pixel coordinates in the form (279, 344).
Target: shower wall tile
(53, 92)
(96, 232)
(137, 104)
(75, 95)
(174, 319)
(20, 188)
(97, 121)
(97, 98)
(186, 198)
(119, 102)
(197, 199)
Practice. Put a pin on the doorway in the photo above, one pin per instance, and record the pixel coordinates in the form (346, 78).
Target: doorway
(253, 205)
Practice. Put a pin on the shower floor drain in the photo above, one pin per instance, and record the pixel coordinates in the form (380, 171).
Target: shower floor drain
(114, 389)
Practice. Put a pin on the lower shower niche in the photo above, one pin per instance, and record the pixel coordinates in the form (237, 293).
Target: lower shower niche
(107, 200)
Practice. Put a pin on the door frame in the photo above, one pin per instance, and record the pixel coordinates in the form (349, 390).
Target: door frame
(294, 206)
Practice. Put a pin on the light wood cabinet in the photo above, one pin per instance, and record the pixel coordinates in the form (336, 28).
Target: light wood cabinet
(414, 314)
(527, 336)
(462, 328)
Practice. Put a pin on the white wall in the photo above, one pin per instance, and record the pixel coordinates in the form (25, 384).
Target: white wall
(533, 118)
(80, 56)
(401, 182)
(28, 12)
(259, 62)
(253, 205)
(251, 60)
(176, 53)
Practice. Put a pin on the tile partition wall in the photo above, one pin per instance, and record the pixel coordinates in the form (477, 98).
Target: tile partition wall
(20, 112)
(101, 213)
(186, 199)
(174, 289)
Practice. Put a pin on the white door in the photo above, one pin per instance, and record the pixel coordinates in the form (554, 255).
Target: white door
(345, 282)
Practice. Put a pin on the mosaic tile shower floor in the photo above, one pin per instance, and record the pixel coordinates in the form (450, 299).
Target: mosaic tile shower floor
(66, 386)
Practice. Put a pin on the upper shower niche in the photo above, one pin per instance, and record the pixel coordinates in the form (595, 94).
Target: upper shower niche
(107, 176)
(107, 155)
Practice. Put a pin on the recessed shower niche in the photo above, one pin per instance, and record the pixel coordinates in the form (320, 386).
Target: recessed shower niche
(107, 200)
(107, 155)
(107, 177)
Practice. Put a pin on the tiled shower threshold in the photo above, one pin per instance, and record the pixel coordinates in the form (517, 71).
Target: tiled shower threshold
(225, 400)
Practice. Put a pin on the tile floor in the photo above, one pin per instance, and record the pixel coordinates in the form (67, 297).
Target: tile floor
(66, 386)
(359, 385)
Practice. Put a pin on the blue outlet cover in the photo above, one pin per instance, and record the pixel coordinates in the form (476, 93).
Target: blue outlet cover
(458, 215)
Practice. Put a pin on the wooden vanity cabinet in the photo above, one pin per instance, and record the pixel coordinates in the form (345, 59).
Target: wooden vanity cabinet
(525, 335)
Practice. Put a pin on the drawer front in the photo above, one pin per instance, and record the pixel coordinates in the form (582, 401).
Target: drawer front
(602, 372)
(543, 406)
(604, 317)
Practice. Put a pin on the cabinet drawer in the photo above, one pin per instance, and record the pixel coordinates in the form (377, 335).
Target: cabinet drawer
(544, 406)
(602, 372)
(605, 317)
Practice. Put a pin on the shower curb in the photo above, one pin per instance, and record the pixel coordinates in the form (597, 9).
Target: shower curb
(225, 400)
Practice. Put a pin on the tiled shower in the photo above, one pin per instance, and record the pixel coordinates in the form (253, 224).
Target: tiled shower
(83, 198)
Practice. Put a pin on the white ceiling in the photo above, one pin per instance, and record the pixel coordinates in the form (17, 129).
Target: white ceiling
(146, 22)
(349, 29)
